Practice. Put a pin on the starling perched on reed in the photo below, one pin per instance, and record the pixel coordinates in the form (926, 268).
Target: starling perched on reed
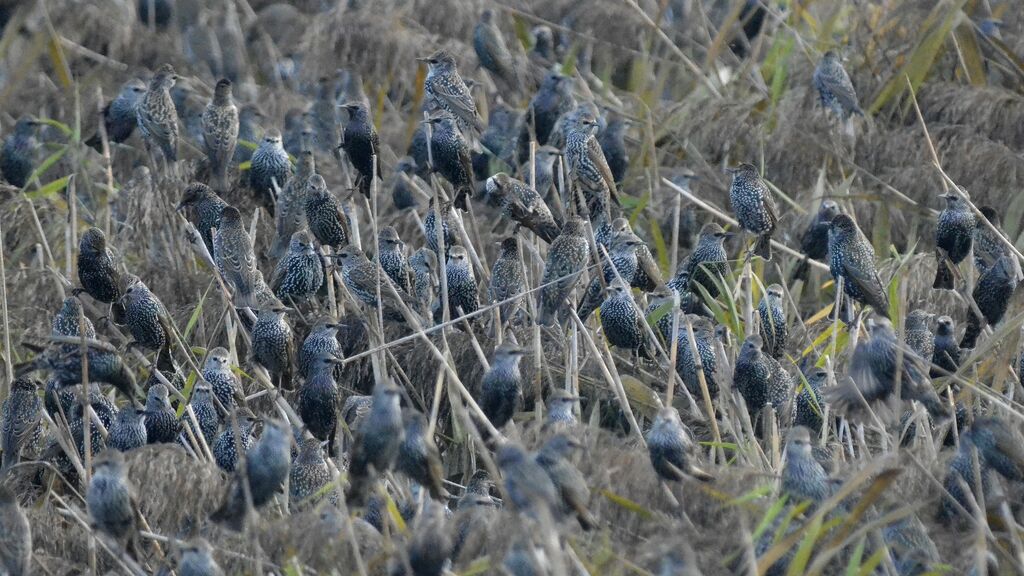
(759, 378)
(220, 133)
(803, 477)
(648, 274)
(447, 235)
(852, 261)
(561, 416)
(111, 498)
(204, 407)
(226, 385)
(225, 446)
(491, 50)
(707, 266)
(378, 441)
(318, 398)
(362, 146)
(206, 207)
(327, 219)
(988, 246)
(835, 90)
(672, 449)
(621, 263)
(297, 135)
(424, 280)
(589, 173)
(270, 169)
(300, 273)
(754, 207)
(71, 320)
(16, 552)
(462, 291)
(162, 424)
(553, 99)
(554, 458)
(507, 279)
(529, 488)
(918, 336)
(391, 256)
(686, 363)
(197, 560)
(419, 458)
(324, 118)
(19, 420)
(308, 475)
(128, 430)
(945, 356)
(613, 143)
(402, 193)
(362, 277)
(267, 466)
(146, 317)
(661, 306)
(810, 405)
(567, 258)
(992, 294)
(451, 158)
(118, 116)
(322, 340)
(233, 252)
(273, 345)
(954, 233)
(996, 447)
(97, 273)
(622, 322)
(446, 90)
(502, 387)
(66, 368)
(523, 205)
(814, 241)
(774, 329)
(157, 116)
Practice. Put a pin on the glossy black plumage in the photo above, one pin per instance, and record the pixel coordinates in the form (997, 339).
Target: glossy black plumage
(362, 146)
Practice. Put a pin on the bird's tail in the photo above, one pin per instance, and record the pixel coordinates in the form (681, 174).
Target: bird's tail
(763, 246)
(943, 275)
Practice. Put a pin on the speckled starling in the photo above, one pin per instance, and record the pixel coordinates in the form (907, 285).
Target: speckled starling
(759, 378)
(552, 100)
(623, 323)
(225, 448)
(273, 346)
(111, 497)
(648, 275)
(16, 551)
(249, 119)
(501, 388)
(19, 420)
(197, 560)
(945, 355)
(913, 551)
(754, 207)
(523, 205)
(378, 441)
(220, 133)
(391, 255)
(447, 228)
(803, 478)
(361, 278)
(355, 410)
(157, 116)
(270, 169)
(318, 398)
(128, 430)
(462, 289)
(704, 338)
(70, 320)
(96, 270)
(446, 90)
(362, 146)
(146, 317)
(613, 143)
(621, 263)
(206, 207)
(162, 424)
(233, 252)
(589, 173)
(419, 458)
(814, 241)
(491, 50)
(402, 193)
(66, 368)
(205, 409)
(707, 265)
(225, 384)
(321, 341)
(574, 495)
(672, 449)
(774, 328)
(567, 257)
(326, 217)
(300, 273)
(918, 335)
(835, 90)
(507, 279)
(992, 294)
(529, 488)
(424, 279)
(852, 259)
(309, 474)
(660, 310)
(810, 405)
(267, 466)
(118, 116)
(988, 247)
(954, 232)
(997, 447)
(451, 158)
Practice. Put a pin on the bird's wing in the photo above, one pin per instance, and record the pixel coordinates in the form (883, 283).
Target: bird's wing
(866, 279)
(837, 81)
(599, 160)
(458, 99)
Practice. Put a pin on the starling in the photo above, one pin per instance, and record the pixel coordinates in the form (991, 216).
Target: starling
(220, 133)
(462, 292)
(273, 346)
(613, 143)
(774, 329)
(814, 241)
(803, 477)
(446, 90)
(157, 116)
(378, 441)
(361, 278)
(491, 50)
(233, 252)
(419, 458)
(429, 547)
(660, 311)
(269, 170)
(423, 264)
(128, 430)
(19, 420)
(249, 118)
(402, 193)
(567, 258)
(391, 255)
(297, 135)
(16, 551)
(523, 205)
(835, 90)
(589, 173)
(554, 458)
(146, 317)
(552, 100)
(992, 294)
(707, 266)
(322, 341)
(875, 373)
(499, 140)
(913, 551)
(197, 559)
(225, 384)
(810, 405)
(111, 497)
(447, 227)
(529, 488)
(266, 469)
(206, 208)
(648, 275)
(327, 219)
(759, 378)
(945, 355)
(451, 158)
(300, 273)
(988, 247)
(754, 207)
(621, 263)
(544, 175)
(999, 447)
(118, 116)
(162, 424)
(362, 146)
(953, 235)
(96, 270)
(309, 474)
(502, 387)
(204, 407)
(852, 260)
(672, 449)
(473, 520)
(71, 320)
(355, 410)
(507, 279)
(686, 366)
(318, 399)
(561, 416)
(918, 335)
(225, 448)
(622, 322)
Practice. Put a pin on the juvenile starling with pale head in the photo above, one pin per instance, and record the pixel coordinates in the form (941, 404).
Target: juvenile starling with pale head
(446, 90)
(220, 133)
(157, 116)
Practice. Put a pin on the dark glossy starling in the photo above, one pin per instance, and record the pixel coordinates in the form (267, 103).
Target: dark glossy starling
(992, 294)
(447, 227)
(554, 458)
(988, 247)
(249, 119)
(300, 273)
(205, 409)
(146, 317)
(704, 338)
(225, 447)
(754, 207)
(16, 551)
(157, 116)
(814, 241)
(918, 335)
(111, 497)
(423, 264)
(810, 405)
(673, 452)
(446, 90)
(391, 255)
(206, 207)
(759, 378)
(225, 383)
(803, 477)
(852, 259)
(309, 474)
(945, 355)
(491, 50)
(523, 205)
(529, 488)
(233, 252)
(589, 173)
(561, 414)
(622, 322)
(613, 143)
(502, 387)
(322, 341)
(19, 420)
(419, 458)
(774, 328)
(362, 146)
(451, 158)
(270, 169)
(273, 345)
(318, 399)
(220, 133)
(267, 466)
(162, 424)
(197, 560)
(835, 90)
(552, 100)
(378, 441)
(402, 193)
(361, 278)
(874, 374)
(567, 257)
(462, 289)
(128, 430)
(326, 217)
(707, 265)
(953, 235)
(507, 279)
(96, 270)
(623, 264)
(119, 118)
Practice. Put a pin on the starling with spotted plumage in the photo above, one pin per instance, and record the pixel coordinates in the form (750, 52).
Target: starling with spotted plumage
(378, 441)
(803, 478)
(270, 169)
(290, 215)
(589, 173)
(759, 378)
(419, 458)
(918, 336)
(298, 275)
(835, 90)
(754, 207)
(945, 356)
(566, 260)
(523, 205)
(162, 424)
(156, 116)
(502, 387)
(686, 363)
(19, 420)
(507, 279)
(391, 256)
(707, 266)
(318, 399)
(118, 116)
(622, 322)
(233, 252)
(445, 90)
(648, 275)
(110, 498)
(204, 407)
(992, 294)
(987, 245)
(220, 133)
(273, 346)
(266, 469)
(362, 277)
(308, 475)
(225, 447)
(451, 158)
(814, 240)
(774, 328)
(322, 340)
(423, 264)
(810, 404)
(447, 235)
(97, 273)
(206, 207)
(362, 146)
(852, 261)
(128, 431)
(226, 385)
(146, 318)
(554, 458)
(327, 219)
(621, 263)
(954, 233)
(462, 291)
(672, 449)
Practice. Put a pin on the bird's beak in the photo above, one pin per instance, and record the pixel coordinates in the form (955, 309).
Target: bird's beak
(729, 170)
(424, 59)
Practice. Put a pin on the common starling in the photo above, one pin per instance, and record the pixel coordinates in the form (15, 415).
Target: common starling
(322, 341)
(560, 416)
(19, 420)
(613, 143)
(96, 270)
(128, 430)
(835, 90)
(71, 320)
(309, 474)
(814, 241)
(648, 275)
(852, 260)
(402, 193)
(707, 266)
(992, 294)
(553, 99)
(810, 405)
(111, 497)
(759, 378)
(451, 158)
(419, 458)
(999, 447)
(273, 346)
(249, 119)
(988, 247)
(16, 551)
(446, 90)
(267, 466)
(774, 329)
(220, 133)
(672, 449)
(544, 175)
(659, 312)
(622, 322)
(529, 488)
(327, 219)
(118, 116)
(355, 410)
(502, 387)
(423, 264)
(589, 173)
(157, 116)
(754, 206)
(954, 232)
(269, 170)
(554, 458)
(567, 258)
(362, 146)
(875, 374)
(491, 50)
(507, 279)
(162, 424)
(318, 399)
(361, 278)
(233, 252)
(225, 384)
(391, 255)
(499, 139)
(205, 409)
(462, 290)
(945, 355)
(197, 559)
(473, 520)
(300, 273)
(803, 477)
(378, 441)
(225, 447)
(918, 335)
(206, 207)
(447, 228)
(621, 262)
(686, 366)
(429, 546)
(913, 551)
(523, 205)
(146, 318)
